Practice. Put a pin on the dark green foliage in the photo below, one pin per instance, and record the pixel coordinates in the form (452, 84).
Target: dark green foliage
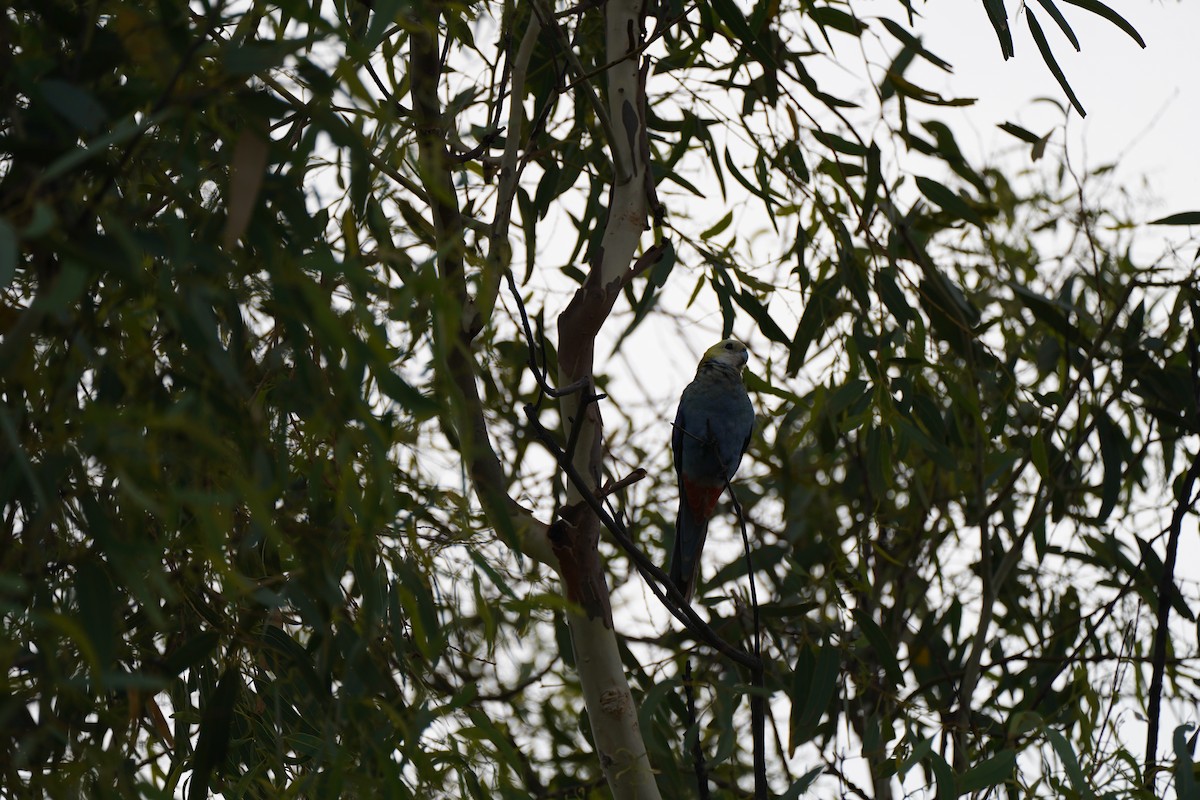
(240, 553)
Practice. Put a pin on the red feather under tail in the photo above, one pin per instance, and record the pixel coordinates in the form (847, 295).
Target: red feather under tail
(696, 507)
(701, 499)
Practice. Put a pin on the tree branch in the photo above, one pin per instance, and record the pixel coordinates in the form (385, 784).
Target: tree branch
(575, 536)
(453, 322)
(622, 166)
(499, 256)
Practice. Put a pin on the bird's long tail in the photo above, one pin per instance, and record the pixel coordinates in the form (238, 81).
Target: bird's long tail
(690, 530)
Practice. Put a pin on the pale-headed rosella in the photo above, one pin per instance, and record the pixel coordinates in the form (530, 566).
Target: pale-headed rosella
(712, 430)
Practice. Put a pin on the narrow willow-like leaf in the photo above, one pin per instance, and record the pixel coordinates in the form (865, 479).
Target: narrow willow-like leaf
(817, 694)
(913, 43)
(1182, 218)
(1096, 7)
(885, 650)
(1057, 16)
(1186, 785)
(213, 741)
(999, 19)
(1040, 38)
(1019, 132)
(948, 200)
(8, 253)
(871, 189)
(719, 227)
(988, 773)
(1066, 754)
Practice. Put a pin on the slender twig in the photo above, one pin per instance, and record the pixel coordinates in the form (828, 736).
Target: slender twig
(610, 489)
(540, 372)
(499, 255)
(698, 763)
(737, 509)
(758, 717)
(1124, 658)
(485, 142)
(848, 785)
(453, 338)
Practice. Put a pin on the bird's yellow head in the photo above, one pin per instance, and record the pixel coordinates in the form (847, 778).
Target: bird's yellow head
(730, 353)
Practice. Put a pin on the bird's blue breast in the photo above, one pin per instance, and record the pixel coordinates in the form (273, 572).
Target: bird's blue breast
(713, 424)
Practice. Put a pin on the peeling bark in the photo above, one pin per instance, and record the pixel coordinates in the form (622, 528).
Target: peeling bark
(612, 711)
(570, 544)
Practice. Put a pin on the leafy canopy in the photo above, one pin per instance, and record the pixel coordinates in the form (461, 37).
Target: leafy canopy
(250, 546)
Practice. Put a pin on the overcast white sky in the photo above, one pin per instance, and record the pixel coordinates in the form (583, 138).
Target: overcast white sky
(1143, 106)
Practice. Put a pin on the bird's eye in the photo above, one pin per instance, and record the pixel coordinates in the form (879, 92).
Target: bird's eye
(729, 345)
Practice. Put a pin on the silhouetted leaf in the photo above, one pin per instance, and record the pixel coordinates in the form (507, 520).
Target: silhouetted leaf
(1061, 21)
(997, 16)
(885, 651)
(212, 744)
(1155, 573)
(78, 106)
(830, 16)
(1183, 218)
(819, 312)
(719, 227)
(944, 777)
(190, 652)
(758, 312)
(1099, 8)
(948, 200)
(840, 144)
(1019, 132)
(815, 679)
(8, 253)
(1050, 312)
(802, 784)
(871, 189)
(97, 612)
(988, 773)
(1113, 447)
(914, 44)
(1066, 753)
(1044, 47)
(1186, 785)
